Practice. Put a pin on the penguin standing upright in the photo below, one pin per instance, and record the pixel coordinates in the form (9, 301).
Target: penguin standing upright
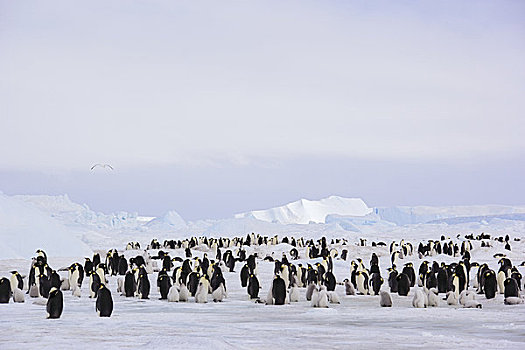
(55, 303)
(362, 282)
(245, 274)
(164, 286)
(392, 280)
(419, 300)
(385, 299)
(130, 286)
(329, 281)
(94, 284)
(201, 295)
(253, 287)
(403, 284)
(349, 287)
(376, 281)
(16, 281)
(490, 284)
(88, 266)
(5, 290)
(104, 304)
(143, 285)
(511, 288)
(278, 291)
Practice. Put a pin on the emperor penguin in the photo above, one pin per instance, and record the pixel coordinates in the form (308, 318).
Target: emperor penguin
(511, 288)
(253, 287)
(285, 275)
(465, 296)
(314, 298)
(76, 292)
(64, 284)
(394, 258)
(432, 296)
(219, 293)
(173, 295)
(456, 285)
(5, 290)
(130, 286)
(362, 282)
(278, 291)
(184, 293)
(403, 284)
(349, 287)
(164, 286)
(310, 290)
(333, 298)
(101, 274)
(322, 299)
(201, 295)
(474, 268)
(489, 284)
(55, 303)
(472, 304)
(245, 274)
(294, 293)
(385, 299)
(104, 304)
(419, 300)
(513, 301)
(16, 281)
(94, 284)
(18, 295)
(501, 281)
(376, 281)
(143, 285)
(451, 298)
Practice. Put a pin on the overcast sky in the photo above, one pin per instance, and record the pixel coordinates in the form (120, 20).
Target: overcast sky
(213, 107)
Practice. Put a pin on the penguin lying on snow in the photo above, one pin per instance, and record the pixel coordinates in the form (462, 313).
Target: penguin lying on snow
(472, 304)
(513, 301)
(466, 296)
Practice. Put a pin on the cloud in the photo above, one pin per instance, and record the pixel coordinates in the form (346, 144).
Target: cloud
(199, 82)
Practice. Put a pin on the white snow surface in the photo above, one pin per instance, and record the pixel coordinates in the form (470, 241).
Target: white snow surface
(306, 211)
(68, 231)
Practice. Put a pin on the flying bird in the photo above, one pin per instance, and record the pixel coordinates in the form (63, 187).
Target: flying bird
(102, 165)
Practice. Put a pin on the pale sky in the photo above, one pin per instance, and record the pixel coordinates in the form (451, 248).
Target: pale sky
(211, 107)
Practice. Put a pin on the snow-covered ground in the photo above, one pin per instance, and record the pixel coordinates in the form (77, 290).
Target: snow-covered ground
(237, 322)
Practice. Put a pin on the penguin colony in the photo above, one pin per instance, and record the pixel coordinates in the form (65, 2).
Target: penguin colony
(201, 279)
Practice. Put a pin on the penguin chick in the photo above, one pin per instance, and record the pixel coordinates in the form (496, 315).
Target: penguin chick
(18, 295)
(472, 304)
(173, 294)
(433, 299)
(385, 299)
(294, 294)
(333, 298)
(451, 298)
(419, 299)
(349, 288)
(513, 301)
